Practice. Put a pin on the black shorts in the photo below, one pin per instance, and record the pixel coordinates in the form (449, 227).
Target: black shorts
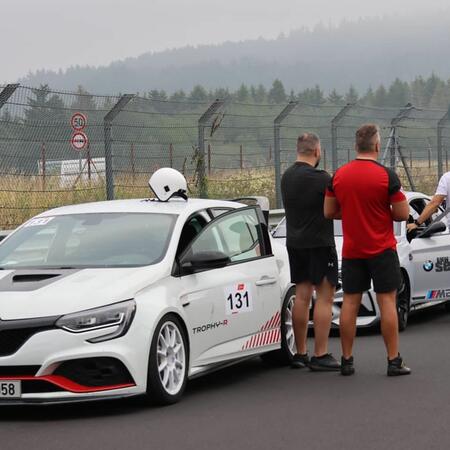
(313, 265)
(383, 270)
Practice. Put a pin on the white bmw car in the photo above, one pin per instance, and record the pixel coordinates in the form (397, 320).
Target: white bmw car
(132, 297)
(424, 260)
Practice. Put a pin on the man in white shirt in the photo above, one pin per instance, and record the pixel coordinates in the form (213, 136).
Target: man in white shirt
(442, 194)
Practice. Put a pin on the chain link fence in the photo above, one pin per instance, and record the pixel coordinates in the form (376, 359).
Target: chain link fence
(58, 148)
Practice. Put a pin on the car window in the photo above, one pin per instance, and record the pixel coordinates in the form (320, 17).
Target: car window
(89, 240)
(236, 235)
(216, 212)
(191, 229)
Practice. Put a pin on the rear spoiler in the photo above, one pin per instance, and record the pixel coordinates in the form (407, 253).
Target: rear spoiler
(262, 202)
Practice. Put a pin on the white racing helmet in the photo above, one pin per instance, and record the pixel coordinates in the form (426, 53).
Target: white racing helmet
(167, 183)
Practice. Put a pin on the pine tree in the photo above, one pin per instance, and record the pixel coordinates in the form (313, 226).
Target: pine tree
(335, 98)
(380, 97)
(352, 95)
(369, 97)
(277, 94)
(242, 94)
(178, 96)
(399, 93)
(84, 102)
(418, 92)
(431, 84)
(198, 94)
(45, 106)
(260, 95)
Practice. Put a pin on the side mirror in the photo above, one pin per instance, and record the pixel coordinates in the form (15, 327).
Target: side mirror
(203, 261)
(436, 227)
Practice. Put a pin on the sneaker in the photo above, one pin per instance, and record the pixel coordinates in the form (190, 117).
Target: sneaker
(347, 367)
(300, 361)
(396, 367)
(324, 363)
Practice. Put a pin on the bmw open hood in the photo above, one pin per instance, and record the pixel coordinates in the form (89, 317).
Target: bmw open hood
(26, 294)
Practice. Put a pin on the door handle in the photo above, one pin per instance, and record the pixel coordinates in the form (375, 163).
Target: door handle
(264, 281)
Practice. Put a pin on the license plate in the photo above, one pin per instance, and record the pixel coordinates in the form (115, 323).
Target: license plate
(10, 389)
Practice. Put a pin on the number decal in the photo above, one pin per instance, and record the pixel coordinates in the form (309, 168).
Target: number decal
(38, 222)
(239, 299)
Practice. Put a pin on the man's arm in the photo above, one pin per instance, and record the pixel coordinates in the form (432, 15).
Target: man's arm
(428, 211)
(399, 203)
(331, 208)
(400, 211)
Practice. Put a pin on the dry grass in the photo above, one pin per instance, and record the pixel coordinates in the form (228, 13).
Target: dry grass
(22, 196)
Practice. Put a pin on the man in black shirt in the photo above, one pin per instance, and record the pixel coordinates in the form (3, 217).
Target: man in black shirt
(312, 252)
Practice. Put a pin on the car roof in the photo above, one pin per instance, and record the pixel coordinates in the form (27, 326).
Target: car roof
(410, 195)
(152, 206)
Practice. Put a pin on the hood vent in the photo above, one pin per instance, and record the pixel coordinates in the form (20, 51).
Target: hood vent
(33, 277)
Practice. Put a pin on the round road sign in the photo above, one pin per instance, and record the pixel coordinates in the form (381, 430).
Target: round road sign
(79, 140)
(78, 121)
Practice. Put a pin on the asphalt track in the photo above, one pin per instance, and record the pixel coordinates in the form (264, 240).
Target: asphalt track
(253, 406)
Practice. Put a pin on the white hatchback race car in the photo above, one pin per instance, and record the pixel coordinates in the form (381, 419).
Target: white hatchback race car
(122, 298)
(424, 260)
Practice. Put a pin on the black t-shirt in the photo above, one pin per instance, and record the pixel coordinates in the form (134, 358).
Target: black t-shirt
(303, 190)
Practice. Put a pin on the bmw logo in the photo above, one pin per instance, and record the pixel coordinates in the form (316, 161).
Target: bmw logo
(428, 266)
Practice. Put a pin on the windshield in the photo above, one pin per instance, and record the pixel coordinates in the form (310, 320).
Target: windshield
(89, 240)
(280, 231)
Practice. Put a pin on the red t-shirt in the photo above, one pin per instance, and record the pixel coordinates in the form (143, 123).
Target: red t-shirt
(365, 191)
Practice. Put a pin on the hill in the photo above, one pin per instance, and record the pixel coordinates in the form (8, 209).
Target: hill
(364, 53)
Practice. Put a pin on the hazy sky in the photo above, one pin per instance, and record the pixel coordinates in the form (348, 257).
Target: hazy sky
(56, 34)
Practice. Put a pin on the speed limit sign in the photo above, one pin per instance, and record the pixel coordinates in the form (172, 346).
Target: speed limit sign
(78, 121)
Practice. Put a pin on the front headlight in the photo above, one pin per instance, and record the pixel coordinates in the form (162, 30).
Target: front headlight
(118, 315)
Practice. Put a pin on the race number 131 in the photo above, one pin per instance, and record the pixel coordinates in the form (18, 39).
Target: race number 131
(238, 299)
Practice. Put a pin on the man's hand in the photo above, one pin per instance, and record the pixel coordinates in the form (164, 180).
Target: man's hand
(411, 227)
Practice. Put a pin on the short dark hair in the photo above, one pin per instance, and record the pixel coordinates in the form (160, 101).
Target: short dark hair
(307, 143)
(366, 138)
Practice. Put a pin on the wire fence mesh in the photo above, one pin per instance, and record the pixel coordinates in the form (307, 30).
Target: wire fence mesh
(226, 149)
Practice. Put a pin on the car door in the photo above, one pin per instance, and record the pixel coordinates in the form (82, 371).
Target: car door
(431, 262)
(227, 306)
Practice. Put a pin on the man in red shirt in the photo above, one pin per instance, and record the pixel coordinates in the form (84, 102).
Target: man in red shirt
(368, 198)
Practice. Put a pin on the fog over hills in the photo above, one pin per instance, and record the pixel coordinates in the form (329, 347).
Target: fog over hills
(363, 53)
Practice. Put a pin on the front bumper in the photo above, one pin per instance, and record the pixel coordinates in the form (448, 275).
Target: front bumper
(56, 366)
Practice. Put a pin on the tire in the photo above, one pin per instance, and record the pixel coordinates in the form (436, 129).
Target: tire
(166, 386)
(287, 351)
(403, 303)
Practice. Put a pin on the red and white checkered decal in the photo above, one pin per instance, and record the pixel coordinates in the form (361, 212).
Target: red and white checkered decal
(270, 333)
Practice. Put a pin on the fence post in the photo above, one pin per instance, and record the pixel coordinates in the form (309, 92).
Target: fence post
(202, 124)
(107, 126)
(393, 145)
(209, 159)
(334, 127)
(132, 160)
(7, 92)
(43, 164)
(277, 149)
(171, 154)
(440, 144)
